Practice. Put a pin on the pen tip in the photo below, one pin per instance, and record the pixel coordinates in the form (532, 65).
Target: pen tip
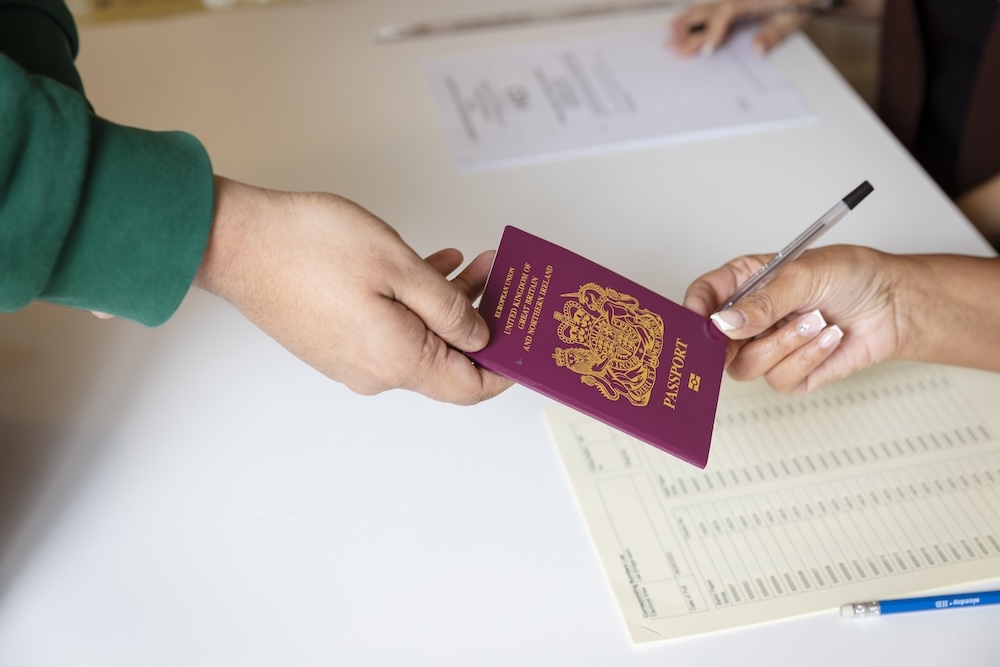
(858, 194)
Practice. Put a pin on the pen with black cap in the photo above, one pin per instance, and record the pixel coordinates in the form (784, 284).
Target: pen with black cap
(799, 245)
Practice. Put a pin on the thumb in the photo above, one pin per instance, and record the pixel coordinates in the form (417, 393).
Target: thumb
(758, 311)
(445, 307)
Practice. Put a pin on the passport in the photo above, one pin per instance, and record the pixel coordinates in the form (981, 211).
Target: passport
(594, 340)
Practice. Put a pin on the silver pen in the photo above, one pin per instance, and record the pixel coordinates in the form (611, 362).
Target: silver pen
(426, 28)
(799, 245)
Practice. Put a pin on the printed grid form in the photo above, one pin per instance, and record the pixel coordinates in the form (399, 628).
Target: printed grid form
(795, 540)
(889, 480)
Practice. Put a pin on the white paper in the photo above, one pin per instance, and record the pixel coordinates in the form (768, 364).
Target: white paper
(556, 99)
(885, 484)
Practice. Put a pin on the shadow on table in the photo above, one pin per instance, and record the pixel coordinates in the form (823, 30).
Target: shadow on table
(39, 466)
(62, 375)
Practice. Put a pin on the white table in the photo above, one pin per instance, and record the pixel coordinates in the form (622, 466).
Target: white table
(201, 497)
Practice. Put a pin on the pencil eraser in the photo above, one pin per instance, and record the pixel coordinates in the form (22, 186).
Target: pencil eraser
(847, 611)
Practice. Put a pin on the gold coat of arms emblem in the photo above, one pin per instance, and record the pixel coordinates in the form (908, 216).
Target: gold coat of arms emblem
(615, 343)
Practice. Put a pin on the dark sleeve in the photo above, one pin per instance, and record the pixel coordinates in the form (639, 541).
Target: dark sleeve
(93, 214)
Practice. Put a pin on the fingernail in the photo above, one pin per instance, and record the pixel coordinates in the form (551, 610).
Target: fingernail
(729, 319)
(811, 323)
(480, 331)
(708, 49)
(831, 337)
(758, 48)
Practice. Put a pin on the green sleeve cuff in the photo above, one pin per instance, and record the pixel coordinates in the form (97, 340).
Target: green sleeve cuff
(142, 225)
(95, 215)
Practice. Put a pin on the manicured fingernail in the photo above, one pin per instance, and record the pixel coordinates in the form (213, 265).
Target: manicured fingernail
(810, 323)
(729, 320)
(831, 337)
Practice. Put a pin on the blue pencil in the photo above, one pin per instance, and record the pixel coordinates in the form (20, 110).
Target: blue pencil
(880, 607)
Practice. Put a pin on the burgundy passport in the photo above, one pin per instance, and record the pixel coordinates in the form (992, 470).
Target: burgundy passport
(598, 342)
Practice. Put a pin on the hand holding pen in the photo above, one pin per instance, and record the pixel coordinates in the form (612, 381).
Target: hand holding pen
(794, 249)
(787, 314)
(704, 27)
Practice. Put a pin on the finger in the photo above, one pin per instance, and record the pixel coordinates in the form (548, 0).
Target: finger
(422, 361)
(761, 355)
(793, 372)
(706, 293)
(687, 31)
(445, 261)
(841, 363)
(450, 376)
(732, 352)
(468, 385)
(443, 306)
(711, 290)
(472, 279)
(700, 297)
(717, 26)
(793, 290)
(693, 16)
(775, 30)
(441, 371)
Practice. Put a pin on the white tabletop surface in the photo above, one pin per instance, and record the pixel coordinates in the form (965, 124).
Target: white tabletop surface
(194, 495)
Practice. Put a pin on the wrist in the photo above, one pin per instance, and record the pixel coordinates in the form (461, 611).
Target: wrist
(910, 295)
(949, 308)
(240, 213)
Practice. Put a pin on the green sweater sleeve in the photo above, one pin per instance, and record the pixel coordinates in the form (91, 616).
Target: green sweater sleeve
(93, 214)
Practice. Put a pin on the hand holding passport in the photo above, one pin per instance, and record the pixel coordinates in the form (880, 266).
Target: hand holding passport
(602, 344)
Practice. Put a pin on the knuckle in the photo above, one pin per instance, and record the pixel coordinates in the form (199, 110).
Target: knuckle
(776, 345)
(759, 307)
(810, 357)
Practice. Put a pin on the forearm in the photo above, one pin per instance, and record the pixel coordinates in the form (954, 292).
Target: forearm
(949, 307)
